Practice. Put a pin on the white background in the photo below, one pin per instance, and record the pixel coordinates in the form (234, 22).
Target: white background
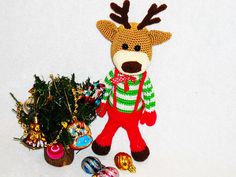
(193, 74)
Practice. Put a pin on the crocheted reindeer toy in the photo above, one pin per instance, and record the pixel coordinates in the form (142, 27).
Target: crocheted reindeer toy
(129, 97)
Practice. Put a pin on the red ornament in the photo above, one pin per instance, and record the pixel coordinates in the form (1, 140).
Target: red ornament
(55, 151)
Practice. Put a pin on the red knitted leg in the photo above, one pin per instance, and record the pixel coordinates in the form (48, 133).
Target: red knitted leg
(139, 149)
(102, 144)
(105, 138)
(137, 143)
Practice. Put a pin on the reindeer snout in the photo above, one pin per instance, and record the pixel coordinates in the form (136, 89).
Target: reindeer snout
(131, 62)
(131, 67)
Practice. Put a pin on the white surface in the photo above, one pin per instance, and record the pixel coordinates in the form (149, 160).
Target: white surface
(193, 74)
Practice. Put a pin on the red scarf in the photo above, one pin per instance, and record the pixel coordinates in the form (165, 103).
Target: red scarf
(125, 79)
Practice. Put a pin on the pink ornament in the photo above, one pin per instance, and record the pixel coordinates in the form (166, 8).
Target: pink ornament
(107, 172)
(55, 151)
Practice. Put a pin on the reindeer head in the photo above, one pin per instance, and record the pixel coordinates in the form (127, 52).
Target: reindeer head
(132, 43)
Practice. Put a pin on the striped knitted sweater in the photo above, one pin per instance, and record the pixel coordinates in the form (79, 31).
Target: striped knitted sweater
(126, 100)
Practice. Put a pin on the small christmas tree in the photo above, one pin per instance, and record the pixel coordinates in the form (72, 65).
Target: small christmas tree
(59, 112)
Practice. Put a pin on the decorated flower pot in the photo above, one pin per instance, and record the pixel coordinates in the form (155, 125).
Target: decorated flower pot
(58, 156)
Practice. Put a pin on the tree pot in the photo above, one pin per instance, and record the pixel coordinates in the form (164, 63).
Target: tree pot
(66, 159)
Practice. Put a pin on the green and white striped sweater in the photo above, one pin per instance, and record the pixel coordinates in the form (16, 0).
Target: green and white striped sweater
(126, 100)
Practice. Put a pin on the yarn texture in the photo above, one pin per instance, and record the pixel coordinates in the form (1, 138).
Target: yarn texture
(129, 98)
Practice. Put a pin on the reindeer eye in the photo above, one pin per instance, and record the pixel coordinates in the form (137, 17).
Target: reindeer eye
(137, 48)
(125, 46)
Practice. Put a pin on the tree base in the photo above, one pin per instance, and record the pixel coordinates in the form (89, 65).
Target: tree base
(67, 158)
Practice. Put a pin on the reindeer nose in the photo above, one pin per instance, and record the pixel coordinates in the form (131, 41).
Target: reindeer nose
(131, 67)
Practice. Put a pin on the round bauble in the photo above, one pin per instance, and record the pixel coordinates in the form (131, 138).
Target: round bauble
(124, 161)
(55, 151)
(107, 172)
(91, 165)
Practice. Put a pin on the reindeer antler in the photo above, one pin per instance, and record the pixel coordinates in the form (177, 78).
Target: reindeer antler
(153, 10)
(123, 11)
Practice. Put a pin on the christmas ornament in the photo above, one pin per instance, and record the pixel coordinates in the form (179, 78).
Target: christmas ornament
(55, 151)
(27, 104)
(35, 138)
(129, 97)
(53, 157)
(81, 134)
(124, 161)
(94, 93)
(107, 172)
(91, 165)
(64, 124)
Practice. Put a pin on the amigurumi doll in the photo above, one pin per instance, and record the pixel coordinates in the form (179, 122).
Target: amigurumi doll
(129, 97)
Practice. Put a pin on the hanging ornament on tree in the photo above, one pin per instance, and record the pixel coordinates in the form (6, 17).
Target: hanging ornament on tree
(93, 93)
(35, 138)
(27, 104)
(124, 161)
(81, 134)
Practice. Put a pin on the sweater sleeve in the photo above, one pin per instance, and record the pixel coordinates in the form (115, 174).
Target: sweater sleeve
(149, 96)
(108, 85)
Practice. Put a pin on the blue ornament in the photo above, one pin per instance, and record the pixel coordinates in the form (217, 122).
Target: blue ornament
(96, 84)
(81, 134)
(87, 93)
(91, 165)
(84, 141)
(97, 102)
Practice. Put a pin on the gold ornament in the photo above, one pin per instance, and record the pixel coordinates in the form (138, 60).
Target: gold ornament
(35, 138)
(81, 134)
(64, 124)
(26, 105)
(124, 161)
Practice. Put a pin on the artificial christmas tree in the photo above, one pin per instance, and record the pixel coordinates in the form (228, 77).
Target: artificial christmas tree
(57, 115)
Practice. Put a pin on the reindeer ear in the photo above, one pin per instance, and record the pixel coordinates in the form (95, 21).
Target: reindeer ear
(107, 28)
(158, 37)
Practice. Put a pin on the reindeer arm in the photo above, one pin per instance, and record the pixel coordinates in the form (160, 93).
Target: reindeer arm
(149, 114)
(108, 85)
(149, 96)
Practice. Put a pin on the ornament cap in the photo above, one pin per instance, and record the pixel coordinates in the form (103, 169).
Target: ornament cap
(132, 169)
(36, 120)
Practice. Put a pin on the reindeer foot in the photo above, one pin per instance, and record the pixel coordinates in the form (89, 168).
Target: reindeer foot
(100, 150)
(141, 155)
